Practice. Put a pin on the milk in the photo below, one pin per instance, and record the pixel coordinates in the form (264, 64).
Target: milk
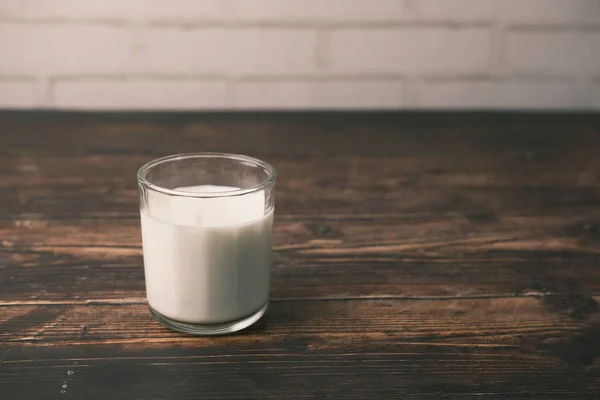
(207, 260)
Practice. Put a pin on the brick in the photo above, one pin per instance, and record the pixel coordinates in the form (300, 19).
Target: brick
(553, 51)
(456, 10)
(410, 50)
(18, 94)
(50, 48)
(227, 51)
(179, 10)
(550, 11)
(319, 10)
(139, 94)
(493, 95)
(318, 95)
(595, 96)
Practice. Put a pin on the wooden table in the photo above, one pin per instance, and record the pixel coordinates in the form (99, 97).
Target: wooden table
(416, 256)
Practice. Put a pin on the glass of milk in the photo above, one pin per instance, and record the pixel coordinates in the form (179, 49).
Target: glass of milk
(206, 231)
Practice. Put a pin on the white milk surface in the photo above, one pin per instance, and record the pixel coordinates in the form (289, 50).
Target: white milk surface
(207, 260)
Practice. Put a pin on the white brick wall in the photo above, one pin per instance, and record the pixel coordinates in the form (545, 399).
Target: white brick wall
(319, 94)
(553, 51)
(494, 94)
(412, 50)
(287, 54)
(595, 96)
(268, 51)
(574, 12)
(452, 11)
(16, 93)
(48, 49)
(139, 93)
(322, 11)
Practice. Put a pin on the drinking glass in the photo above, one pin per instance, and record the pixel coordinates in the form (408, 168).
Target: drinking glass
(207, 223)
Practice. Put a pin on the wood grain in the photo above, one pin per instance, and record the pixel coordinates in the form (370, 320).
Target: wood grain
(417, 255)
(322, 258)
(543, 347)
(474, 321)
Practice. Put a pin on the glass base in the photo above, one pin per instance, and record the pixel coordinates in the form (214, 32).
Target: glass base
(209, 329)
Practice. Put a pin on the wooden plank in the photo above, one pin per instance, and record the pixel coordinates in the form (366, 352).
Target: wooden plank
(411, 371)
(321, 257)
(482, 218)
(77, 186)
(352, 172)
(545, 347)
(295, 134)
(429, 222)
(472, 321)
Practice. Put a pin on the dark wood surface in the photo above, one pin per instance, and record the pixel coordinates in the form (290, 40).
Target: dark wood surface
(417, 255)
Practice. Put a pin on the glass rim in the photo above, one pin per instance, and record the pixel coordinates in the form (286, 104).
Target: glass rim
(269, 181)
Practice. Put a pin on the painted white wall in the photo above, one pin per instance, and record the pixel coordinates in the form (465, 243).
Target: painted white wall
(300, 54)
